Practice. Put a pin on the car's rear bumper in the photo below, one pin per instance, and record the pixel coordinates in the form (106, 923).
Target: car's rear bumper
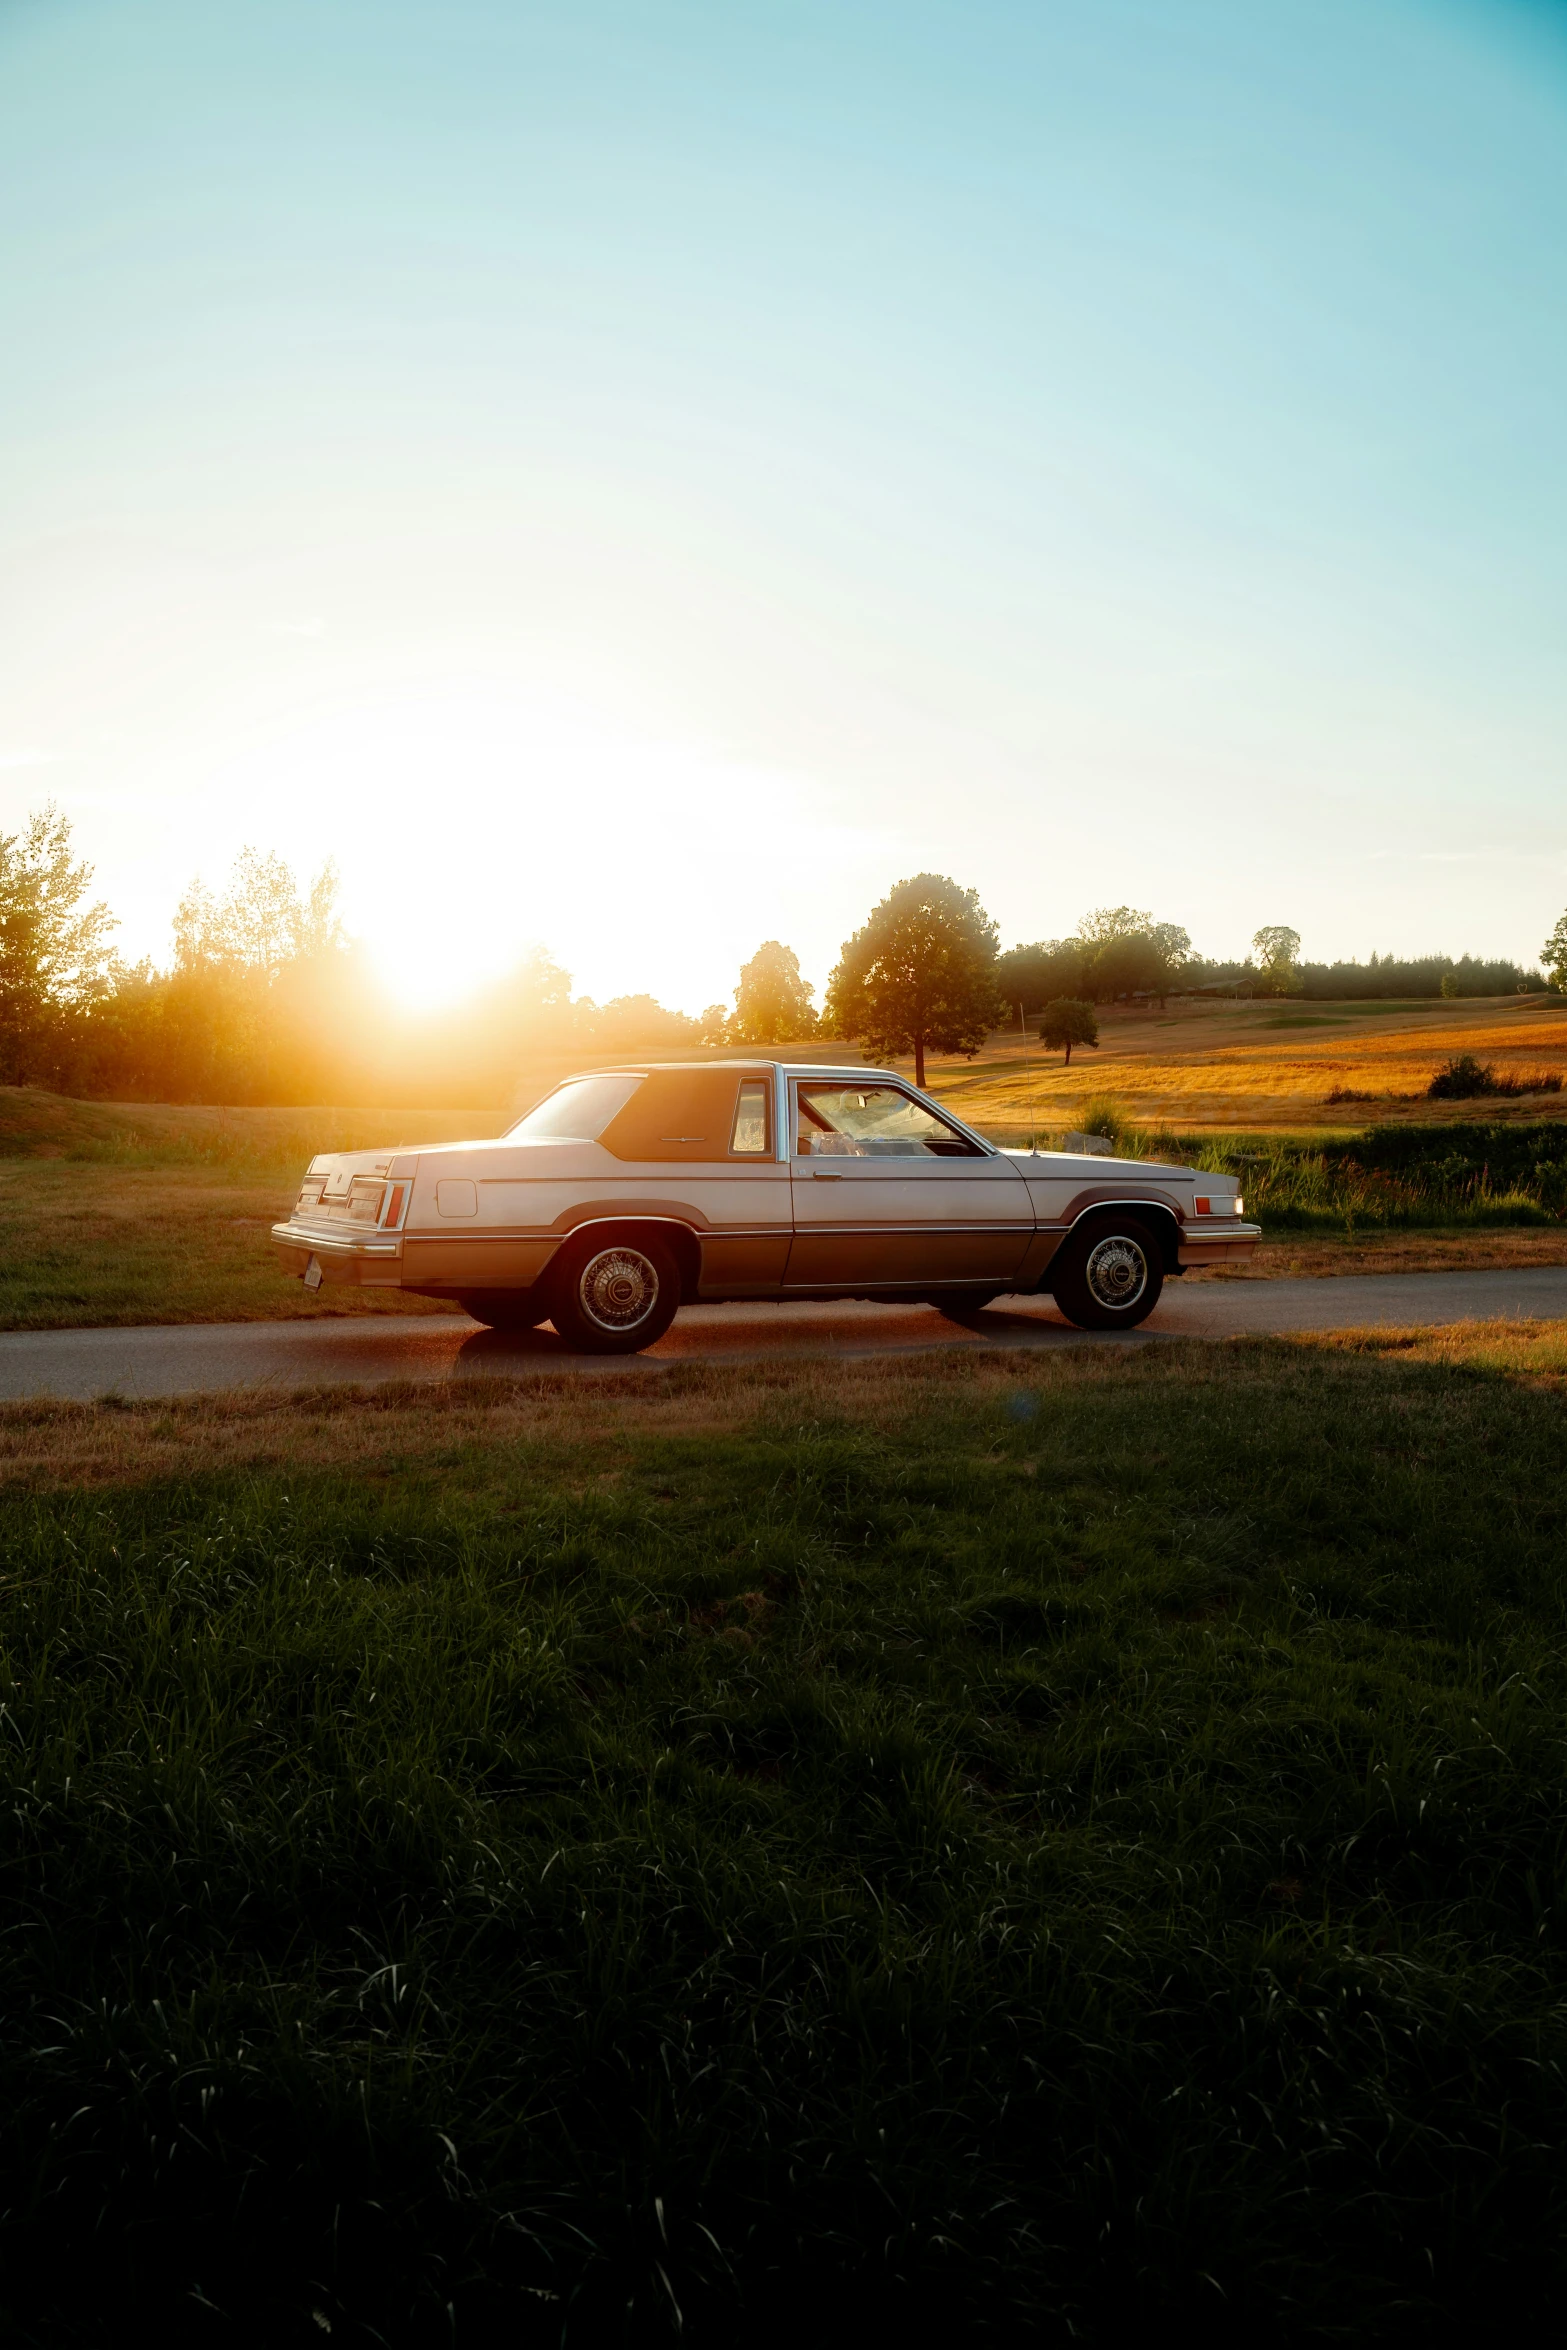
(356, 1260)
(1228, 1242)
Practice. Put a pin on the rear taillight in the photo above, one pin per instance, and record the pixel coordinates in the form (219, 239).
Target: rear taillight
(392, 1213)
(309, 1194)
(364, 1199)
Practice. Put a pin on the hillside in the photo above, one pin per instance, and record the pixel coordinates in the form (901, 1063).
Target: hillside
(1231, 1067)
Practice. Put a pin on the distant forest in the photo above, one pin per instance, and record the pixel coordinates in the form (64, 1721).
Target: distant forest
(1386, 975)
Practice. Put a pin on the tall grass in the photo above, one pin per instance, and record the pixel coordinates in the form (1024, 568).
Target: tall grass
(1389, 1179)
(1081, 1843)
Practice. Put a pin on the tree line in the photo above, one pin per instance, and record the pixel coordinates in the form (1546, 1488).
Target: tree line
(265, 999)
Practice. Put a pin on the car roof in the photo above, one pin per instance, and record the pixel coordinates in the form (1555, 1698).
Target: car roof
(737, 1061)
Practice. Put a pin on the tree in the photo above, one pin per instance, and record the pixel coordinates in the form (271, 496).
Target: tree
(261, 922)
(1132, 965)
(1554, 956)
(629, 1021)
(1111, 922)
(920, 975)
(1068, 1022)
(1033, 975)
(541, 991)
(1175, 949)
(1129, 953)
(713, 1025)
(772, 1001)
(1277, 949)
(55, 958)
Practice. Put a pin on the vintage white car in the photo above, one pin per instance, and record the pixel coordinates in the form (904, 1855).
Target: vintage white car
(627, 1193)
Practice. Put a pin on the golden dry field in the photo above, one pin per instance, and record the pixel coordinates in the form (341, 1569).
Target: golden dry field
(1263, 1067)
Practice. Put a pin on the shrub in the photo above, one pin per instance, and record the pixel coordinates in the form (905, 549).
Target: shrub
(1462, 1079)
(1102, 1115)
(1465, 1078)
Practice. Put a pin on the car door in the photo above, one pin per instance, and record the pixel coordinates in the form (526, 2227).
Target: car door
(888, 1194)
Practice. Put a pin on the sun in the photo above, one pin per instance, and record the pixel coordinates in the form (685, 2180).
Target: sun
(472, 823)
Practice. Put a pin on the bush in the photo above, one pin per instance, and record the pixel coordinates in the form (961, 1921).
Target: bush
(1102, 1115)
(1462, 1080)
(1465, 1079)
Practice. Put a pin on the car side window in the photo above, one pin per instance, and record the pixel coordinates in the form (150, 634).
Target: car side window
(749, 1136)
(838, 1121)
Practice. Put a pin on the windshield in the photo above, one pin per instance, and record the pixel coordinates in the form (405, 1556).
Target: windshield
(577, 1111)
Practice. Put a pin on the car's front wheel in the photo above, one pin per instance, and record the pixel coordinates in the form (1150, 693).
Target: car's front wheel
(1108, 1275)
(613, 1297)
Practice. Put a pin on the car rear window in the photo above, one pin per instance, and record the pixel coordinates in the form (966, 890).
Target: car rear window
(577, 1111)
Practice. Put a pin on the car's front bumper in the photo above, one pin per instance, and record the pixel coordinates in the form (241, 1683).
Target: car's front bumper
(356, 1260)
(1228, 1241)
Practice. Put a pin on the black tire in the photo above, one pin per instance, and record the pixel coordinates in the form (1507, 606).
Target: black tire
(613, 1297)
(506, 1309)
(1108, 1275)
(960, 1303)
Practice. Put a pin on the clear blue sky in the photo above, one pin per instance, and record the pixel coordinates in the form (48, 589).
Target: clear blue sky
(646, 476)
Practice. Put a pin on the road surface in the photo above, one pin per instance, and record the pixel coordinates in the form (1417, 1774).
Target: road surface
(202, 1357)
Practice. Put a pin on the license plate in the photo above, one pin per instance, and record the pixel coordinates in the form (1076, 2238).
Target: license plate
(313, 1274)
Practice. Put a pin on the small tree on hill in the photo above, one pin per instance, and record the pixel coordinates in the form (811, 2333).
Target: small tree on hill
(1068, 1022)
(1554, 956)
(772, 1001)
(920, 975)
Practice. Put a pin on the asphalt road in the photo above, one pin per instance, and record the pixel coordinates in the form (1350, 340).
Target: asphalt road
(202, 1357)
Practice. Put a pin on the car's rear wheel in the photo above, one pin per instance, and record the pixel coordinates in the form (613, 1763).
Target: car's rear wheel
(1108, 1275)
(961, 1302)
(506, 1309)
(614, 1297)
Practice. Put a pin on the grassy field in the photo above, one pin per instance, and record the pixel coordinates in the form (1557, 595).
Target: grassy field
(1260, 1067)
(115, 1213)
(90, 1247)
(1021, 1846)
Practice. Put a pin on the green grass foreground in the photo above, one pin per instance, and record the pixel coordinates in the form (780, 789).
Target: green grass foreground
(1015, 1845)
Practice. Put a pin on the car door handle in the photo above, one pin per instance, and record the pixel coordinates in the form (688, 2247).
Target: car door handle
(821, 1175)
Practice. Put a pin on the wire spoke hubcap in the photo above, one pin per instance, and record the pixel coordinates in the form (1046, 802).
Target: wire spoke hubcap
(618, 1288)
(1117, 1272)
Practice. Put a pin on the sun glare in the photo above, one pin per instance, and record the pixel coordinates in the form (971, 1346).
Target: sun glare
(469, 825)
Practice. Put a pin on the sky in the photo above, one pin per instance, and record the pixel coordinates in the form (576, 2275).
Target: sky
(642, 476)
